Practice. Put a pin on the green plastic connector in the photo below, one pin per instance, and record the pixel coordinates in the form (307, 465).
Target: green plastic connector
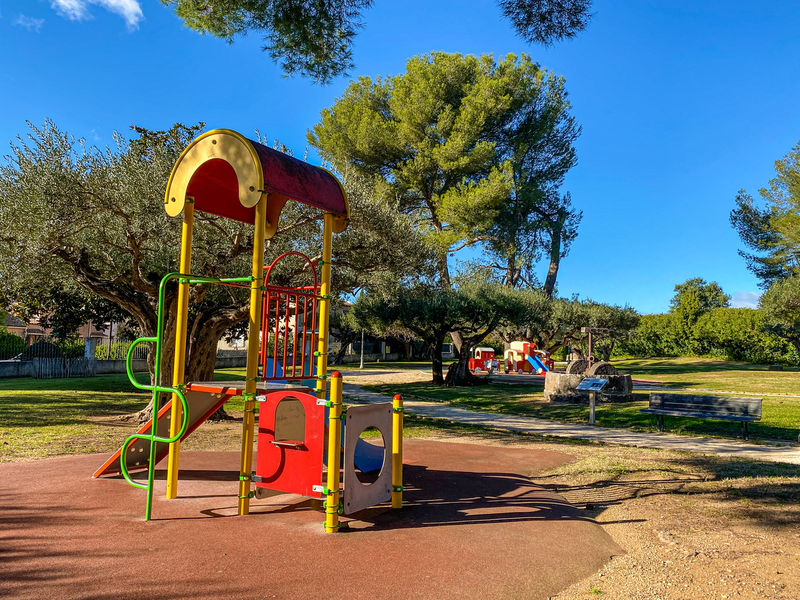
(397, 488)
(250, 495)
(399, 410)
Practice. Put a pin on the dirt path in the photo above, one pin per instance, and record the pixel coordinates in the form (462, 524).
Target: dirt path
(696, 531)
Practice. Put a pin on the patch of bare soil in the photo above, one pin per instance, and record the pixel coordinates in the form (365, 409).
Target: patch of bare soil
(692, 527)
(385, 376)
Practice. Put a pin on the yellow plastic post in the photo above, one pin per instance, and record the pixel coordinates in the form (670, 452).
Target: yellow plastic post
(176, 413)
(253, 337)
(397, 451)
(334, 454)
(324, 304)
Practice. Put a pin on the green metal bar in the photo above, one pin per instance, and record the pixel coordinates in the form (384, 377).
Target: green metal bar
(153, 438)
(201, 279)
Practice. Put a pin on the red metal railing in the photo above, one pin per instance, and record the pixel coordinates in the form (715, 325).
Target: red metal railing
(289, 326)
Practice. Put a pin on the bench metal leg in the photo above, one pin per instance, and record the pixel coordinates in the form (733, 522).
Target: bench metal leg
(745, 432)
(660, 422)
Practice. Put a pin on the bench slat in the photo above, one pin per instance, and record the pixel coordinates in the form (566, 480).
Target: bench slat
(722, 406)
(722, 410)
(694, 415)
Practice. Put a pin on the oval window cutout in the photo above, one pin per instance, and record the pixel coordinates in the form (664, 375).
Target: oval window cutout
(290, 421)
(374, 437)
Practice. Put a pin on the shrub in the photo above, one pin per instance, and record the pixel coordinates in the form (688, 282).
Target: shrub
(10, 345)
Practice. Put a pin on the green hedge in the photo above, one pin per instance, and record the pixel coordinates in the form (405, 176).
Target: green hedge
(10, 345)
(728, 333)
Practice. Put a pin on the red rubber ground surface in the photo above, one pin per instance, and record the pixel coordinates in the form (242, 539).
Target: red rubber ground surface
(474, 527)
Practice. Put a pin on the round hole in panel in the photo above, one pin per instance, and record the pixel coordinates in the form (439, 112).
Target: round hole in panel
(374, 437)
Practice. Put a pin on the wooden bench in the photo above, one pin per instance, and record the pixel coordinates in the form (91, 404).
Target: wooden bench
(725, 408)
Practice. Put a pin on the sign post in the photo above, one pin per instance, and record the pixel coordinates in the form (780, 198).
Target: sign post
(592, 385)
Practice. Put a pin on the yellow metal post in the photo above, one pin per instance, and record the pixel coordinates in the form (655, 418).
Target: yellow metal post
(324, 304)
(334, 454)
(176, 413)
(253, 338)
(397, 451)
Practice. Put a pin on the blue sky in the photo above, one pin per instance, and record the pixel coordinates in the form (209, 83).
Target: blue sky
(681, 105)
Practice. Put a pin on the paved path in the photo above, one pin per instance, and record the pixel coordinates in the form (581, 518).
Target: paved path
(624, 437)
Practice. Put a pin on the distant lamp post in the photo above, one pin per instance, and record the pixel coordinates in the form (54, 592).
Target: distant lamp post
(361, 366)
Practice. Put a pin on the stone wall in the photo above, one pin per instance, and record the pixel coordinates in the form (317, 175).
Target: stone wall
(560, 387)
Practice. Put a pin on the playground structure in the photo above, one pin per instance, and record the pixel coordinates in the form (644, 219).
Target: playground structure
(525, 358)
(482, 359)
(225, 174)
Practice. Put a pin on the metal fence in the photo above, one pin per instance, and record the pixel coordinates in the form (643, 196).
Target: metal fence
(50, 358)
(13, 347)
(43, 357)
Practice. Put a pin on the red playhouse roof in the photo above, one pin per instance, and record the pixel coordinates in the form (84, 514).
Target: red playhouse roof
(226, 174)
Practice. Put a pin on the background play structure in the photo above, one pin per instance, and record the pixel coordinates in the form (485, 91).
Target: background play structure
(524, 357)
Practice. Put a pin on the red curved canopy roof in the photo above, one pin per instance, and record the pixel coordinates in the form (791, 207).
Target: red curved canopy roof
(225, 172)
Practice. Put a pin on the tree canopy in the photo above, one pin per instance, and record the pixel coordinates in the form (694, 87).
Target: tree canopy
(314, 37)
(471, 149)
(563, 322)
(695, 297)
(781, 307)
(770, 230)
(88, 221)
(430, 314)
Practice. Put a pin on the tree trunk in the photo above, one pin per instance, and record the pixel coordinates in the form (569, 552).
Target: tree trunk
(555, 254)
(345, 340)
(436, 361)
(458, 342)
(607, 349)
(202, 357)
(511, 271)
(458, 373)
(339, 356)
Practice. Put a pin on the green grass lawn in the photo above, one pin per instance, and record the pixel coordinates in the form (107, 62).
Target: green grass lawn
(51, 417)
(780, 415)
(711, 374)
(47, 417)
